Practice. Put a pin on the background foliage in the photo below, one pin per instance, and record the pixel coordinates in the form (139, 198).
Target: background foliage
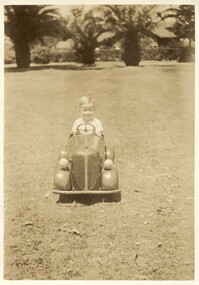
(95, 33)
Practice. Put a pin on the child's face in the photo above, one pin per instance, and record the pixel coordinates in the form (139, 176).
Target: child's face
(87, 111)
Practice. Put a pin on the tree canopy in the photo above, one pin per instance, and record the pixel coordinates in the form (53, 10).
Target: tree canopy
(27, 23)
(85, 27)
(184, 25)
(129, 22)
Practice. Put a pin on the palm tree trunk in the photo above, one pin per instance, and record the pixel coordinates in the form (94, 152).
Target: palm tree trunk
(131, 48)
(22, 51)
(88, 56)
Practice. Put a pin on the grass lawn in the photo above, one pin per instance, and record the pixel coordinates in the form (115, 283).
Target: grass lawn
(148, 115)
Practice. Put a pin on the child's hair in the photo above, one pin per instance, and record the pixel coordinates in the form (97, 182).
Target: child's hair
(86, 100)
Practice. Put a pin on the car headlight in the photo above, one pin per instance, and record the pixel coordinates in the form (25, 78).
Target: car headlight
(63, 163)
(108, 164)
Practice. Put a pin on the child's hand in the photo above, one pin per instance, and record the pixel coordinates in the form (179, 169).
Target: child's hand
(98, 134)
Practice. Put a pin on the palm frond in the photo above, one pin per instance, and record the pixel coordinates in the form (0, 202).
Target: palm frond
(32, 21)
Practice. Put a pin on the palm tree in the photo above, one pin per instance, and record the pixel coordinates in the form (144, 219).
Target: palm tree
(26, 23)
(129, 22)
(85, 27)
(184, 26)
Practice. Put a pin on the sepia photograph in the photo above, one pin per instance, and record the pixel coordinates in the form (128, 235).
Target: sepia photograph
(99, 141)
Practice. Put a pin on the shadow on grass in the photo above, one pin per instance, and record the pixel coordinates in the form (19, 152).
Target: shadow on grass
(56, 67)
(97, 66)
(90, 199)
(66, 66)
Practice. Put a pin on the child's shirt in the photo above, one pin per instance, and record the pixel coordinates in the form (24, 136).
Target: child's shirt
(95, 122)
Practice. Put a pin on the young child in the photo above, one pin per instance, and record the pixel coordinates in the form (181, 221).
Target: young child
(87, 111)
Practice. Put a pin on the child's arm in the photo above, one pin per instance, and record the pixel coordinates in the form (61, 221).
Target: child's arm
(74, 128)
(99, 129)
(99, 133)
(72, 134)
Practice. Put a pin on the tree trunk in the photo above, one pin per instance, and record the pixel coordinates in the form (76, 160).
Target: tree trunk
(22, 51)
(88, 56)
(131, 48)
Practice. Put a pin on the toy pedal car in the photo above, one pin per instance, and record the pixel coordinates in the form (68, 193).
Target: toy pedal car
(86, 171)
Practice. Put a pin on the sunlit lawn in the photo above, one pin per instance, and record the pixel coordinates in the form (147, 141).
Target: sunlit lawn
(148, 115)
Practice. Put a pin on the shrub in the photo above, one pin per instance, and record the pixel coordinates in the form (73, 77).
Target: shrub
(9, 53)
(40, 55)
(186, 54)
(161, 53)
(9, 56)
(107, 54)
(62, 56)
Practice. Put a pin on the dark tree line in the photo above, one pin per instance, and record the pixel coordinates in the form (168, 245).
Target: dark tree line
(25, 24)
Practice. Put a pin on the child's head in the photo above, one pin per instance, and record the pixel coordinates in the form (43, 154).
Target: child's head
(87, 108)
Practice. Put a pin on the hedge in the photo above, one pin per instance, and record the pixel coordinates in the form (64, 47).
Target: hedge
(44, 55)
(160, 53)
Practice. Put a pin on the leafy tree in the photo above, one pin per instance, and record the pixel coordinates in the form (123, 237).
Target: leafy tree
(25, 24)
(85, 27)
(184, 25)
(129, 22)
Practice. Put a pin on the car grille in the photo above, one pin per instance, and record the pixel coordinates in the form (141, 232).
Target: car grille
(86, 170)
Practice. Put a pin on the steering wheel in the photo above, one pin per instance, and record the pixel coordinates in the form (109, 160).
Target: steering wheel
(85, 128)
